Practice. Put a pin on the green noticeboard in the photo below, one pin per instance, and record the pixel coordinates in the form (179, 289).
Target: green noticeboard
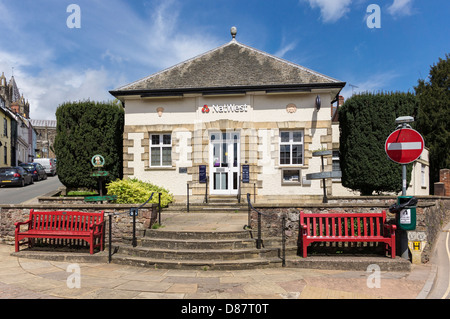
(100, 174)
(100, 198)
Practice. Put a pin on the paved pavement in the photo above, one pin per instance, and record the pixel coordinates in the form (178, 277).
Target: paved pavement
(22, 278)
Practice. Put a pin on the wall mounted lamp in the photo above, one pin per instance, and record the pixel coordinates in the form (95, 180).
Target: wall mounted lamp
(318, 102)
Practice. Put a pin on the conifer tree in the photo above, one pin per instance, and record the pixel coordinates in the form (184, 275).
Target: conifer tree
(433, 119)
(85, 129)
(366, 120)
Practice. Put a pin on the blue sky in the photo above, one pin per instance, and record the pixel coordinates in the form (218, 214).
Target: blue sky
(120, 41)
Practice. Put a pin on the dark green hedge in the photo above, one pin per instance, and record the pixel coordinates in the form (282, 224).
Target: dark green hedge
(85, 129)
(366, 121)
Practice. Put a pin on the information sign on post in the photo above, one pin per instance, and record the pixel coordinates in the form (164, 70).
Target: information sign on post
(404, 146)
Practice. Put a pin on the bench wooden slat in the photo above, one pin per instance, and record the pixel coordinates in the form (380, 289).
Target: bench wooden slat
(316, 227)
(59, 224)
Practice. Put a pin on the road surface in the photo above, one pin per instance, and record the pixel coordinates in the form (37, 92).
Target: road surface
(18, 195)
(441, 258)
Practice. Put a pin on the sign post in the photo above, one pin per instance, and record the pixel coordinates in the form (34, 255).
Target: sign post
(404, 146)
(98, 161)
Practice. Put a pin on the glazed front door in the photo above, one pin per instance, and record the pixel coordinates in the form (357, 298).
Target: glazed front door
(224, 163)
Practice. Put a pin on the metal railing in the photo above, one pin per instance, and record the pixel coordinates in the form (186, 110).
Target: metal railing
(134, 212)
(188, 188)
(259, 241)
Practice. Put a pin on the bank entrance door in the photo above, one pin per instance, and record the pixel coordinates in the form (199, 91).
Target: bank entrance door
(224, 163)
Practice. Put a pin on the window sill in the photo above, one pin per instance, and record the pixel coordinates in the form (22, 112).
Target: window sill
(160, 169)
(291, 183)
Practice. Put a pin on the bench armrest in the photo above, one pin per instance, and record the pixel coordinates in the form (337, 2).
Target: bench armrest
(18, 224)
(390, 228)
(304, 229)
(97, 226)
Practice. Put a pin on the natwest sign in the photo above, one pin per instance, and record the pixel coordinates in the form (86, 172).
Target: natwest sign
(226, 108)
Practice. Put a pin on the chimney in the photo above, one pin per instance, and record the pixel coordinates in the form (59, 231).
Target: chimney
(15, 108)
(445, 179)
(335, 109)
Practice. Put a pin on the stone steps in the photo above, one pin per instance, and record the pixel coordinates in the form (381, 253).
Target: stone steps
(211, 207)
(195, 264)
(197, 250)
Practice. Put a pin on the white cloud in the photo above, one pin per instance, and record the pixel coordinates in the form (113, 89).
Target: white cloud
(400, 8)
(49, 89)
(53, 65)
(375, 82)
(331, 10)
(285, 49)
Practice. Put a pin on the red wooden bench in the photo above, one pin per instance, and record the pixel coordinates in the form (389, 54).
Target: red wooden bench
(351, 227)
(62, 225)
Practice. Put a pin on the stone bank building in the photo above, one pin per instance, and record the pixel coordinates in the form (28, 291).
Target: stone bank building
(231, 121)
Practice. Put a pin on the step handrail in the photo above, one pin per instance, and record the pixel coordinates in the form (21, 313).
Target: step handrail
(259, 241)
(133, 212)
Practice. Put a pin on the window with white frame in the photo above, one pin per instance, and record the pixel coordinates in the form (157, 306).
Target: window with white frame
(291, 148)
(423, 176)
(336, 164)
(160, 150)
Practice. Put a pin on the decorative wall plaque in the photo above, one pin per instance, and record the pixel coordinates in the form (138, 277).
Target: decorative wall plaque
(291, 108)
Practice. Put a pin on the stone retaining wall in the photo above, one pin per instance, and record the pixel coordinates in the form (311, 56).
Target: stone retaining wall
(122, 222)
(433, 213)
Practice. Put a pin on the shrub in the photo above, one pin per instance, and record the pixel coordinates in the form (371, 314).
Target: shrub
(134, 191)
(85, 129)
(366, 120)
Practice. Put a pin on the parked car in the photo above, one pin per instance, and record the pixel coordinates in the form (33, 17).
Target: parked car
(35, 169)
(15, 176)
(49, 165)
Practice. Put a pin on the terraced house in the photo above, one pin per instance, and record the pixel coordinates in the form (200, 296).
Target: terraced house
(17, 136)
(231, 121)
(5, 134)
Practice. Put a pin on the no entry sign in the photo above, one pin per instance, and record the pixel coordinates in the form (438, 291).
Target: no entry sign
(404, 146)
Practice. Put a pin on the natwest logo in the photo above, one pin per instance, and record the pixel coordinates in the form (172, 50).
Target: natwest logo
(226, 108)
(205, 109)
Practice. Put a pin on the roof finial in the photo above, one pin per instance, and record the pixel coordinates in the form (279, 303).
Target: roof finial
(233, 32)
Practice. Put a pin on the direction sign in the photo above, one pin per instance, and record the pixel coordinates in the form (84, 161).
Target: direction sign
(100, 174)
(404, 146)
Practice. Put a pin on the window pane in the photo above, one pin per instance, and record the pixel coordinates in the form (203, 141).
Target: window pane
(291, 176)
(216, 154)
(336, 165)
(224, 155)
(284, 137)
(155, 139)
(297, 137)
(156, 156)
(285, 154)
(167, 156)
(235, 153)
(167, 140)
(296, 154)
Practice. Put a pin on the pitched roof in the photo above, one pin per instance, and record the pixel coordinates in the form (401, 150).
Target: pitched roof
(43, 123)
(15, 94)
(233, 65)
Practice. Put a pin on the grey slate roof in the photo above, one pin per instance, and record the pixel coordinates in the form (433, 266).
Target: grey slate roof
(232, 65)
(43, 123)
